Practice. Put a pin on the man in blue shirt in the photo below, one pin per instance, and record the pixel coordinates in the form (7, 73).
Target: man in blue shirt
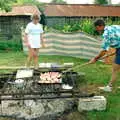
(111, 38)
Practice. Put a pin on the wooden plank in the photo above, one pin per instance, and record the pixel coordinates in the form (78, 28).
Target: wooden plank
(13, 67)
(31, 67)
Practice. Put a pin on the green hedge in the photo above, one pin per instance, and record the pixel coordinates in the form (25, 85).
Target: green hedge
(11, 45)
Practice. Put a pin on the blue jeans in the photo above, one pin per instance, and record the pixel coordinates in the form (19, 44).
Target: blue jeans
(117, 58)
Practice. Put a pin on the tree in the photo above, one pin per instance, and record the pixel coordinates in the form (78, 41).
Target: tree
(22, 2)
(102, 2)
(30, 2)
(6, 5)
(58, 1)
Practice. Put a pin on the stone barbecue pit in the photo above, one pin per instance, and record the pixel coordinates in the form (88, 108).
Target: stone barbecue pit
(27, 96)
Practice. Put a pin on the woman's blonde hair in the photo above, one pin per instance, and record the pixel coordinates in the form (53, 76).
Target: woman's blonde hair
(35, 16)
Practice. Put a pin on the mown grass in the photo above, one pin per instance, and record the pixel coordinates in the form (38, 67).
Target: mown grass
(96, 75)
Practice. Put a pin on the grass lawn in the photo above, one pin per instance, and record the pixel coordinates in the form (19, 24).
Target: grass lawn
(96, 75)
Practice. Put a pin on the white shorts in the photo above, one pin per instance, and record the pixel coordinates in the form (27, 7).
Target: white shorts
(34, 43)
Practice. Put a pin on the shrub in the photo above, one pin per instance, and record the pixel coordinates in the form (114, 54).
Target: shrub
(84, 25)
(67, 27)
(87, 26)
(111, 22)
(11, 45)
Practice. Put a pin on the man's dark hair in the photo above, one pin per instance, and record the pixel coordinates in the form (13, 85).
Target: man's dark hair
(99, 22)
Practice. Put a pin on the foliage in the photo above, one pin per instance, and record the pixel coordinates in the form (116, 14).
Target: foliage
(11, 45)
(102, 2)
(11, 40)
(112, 22)
(58, 1)
(84, 25)
(43, 19)
(67, 27)
(21, 2)
(87, 26)
(6, 5)
(30, 2)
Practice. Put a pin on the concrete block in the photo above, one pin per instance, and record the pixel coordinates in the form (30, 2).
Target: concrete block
(94, 103)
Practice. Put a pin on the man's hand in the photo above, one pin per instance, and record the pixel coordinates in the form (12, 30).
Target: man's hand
(101, 54)
(92, 61)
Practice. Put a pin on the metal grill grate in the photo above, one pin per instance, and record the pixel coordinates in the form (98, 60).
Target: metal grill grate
(31, 89)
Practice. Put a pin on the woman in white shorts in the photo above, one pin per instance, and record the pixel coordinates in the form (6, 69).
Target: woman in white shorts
(34, 39)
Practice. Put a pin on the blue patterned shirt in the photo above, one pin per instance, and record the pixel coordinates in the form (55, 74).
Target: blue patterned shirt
(111, 37)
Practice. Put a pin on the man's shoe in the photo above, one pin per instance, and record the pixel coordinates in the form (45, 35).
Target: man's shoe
(106, 88)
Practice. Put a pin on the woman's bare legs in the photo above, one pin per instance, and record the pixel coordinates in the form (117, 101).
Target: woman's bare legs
(36, 54)
(30, 57)
(33, 54)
